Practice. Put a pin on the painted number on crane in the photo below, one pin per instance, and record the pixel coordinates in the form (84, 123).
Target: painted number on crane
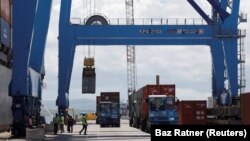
(150, 31)
(186, 31)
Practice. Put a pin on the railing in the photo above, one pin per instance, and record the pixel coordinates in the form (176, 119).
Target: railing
(147, 21)
(242, 32)
(243, 17)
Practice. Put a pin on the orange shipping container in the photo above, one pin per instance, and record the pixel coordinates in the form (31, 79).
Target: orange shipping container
(244, 104)
(192, 112)
(5, 10)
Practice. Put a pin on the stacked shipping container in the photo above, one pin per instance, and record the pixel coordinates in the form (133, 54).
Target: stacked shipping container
(113, 97)
(5, 10)
(192, 112)
(5, 22)
(244, 103)
(5, 64)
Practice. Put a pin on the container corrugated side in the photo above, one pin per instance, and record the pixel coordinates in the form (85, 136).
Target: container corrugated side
(161, 89)
(192, 112)
(200, 112)
(110, 96)
(5, 10)
(88, 80)
(88, 84)
(5, 33)
(245, 104)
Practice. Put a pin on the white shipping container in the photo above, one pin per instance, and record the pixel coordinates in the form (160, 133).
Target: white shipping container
(210, 102)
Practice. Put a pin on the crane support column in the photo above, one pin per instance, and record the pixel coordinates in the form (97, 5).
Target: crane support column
(66, 55)
(29, 34)
(218, 69)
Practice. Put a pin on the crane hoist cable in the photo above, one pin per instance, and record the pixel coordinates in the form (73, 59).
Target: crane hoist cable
(89, 7)
(89, 58)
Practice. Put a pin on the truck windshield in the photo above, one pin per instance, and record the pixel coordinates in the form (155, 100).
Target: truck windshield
(157, 106)
(105, 109)
(115, 108)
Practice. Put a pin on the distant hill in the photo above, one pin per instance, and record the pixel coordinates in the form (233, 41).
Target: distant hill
(79, 105)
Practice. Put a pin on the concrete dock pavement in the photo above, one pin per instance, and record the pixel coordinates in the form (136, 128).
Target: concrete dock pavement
(95, 133)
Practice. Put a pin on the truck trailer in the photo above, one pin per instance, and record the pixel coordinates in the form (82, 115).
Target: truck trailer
(98, 98)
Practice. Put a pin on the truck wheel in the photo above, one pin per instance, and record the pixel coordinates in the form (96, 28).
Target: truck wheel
(142, 128)
(148, 129)
(143, 125)
(130, 122)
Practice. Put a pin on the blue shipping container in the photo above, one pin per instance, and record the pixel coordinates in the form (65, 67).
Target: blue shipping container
(5, 33)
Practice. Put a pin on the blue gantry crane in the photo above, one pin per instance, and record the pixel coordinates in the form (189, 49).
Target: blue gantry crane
(220, 32)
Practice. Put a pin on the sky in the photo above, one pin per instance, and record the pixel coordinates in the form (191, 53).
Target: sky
(188, 67)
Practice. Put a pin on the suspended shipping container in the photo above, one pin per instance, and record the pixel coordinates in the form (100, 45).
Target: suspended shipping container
(88, 80)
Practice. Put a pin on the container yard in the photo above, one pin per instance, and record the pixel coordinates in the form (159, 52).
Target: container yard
(135, 113)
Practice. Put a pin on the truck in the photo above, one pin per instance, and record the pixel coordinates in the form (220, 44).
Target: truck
(109, 109)
(153, 105)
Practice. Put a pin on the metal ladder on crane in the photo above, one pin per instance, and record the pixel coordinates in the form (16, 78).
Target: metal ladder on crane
(241, 55)
(241, 58)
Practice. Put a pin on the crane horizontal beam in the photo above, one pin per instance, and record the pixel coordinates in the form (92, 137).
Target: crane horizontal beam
(142, 35)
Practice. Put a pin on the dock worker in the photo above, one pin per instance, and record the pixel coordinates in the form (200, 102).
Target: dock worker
(61, 121)
(84, 124)
(56, 123)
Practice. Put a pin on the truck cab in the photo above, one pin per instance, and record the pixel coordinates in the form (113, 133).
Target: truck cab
(162, 110)
(109, 114)
(104, 113)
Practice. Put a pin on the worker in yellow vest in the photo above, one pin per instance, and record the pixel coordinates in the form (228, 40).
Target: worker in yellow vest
(84, 124)
(61, 121)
